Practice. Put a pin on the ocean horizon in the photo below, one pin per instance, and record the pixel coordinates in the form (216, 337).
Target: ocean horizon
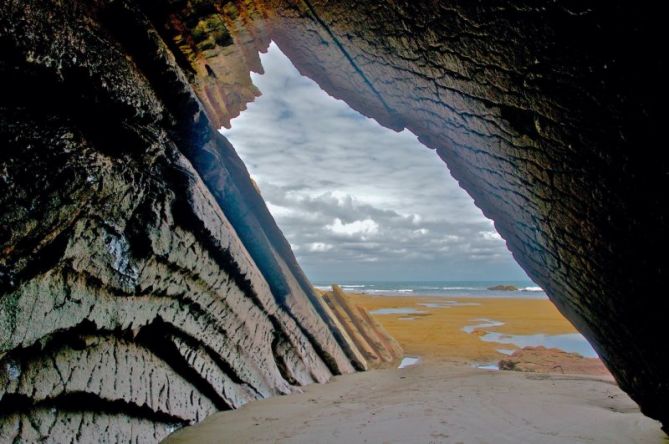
(526, 288)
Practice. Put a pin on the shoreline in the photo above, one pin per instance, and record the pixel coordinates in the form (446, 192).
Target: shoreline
(444, 398)
(452, 329)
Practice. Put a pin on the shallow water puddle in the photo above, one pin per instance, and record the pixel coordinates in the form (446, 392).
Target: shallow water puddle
(400, 311)
(571, 343)
(482, 323)
(492, 366)
(433, 305)
(461, 304)
(408, 361)
(448, 304)
(506, 351)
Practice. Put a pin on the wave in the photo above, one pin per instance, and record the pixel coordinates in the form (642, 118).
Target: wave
(388, 291)
(409, 288)
(462, 288)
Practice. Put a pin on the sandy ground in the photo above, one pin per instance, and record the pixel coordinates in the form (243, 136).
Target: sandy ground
(438, 403)
(443, 399)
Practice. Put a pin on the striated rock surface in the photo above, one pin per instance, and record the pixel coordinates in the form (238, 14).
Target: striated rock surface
(552, 360)
(550, 115)
(137, 294)
(378, 348)
(127, 220)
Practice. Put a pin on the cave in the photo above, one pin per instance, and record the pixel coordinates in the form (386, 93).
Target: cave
(136, 250)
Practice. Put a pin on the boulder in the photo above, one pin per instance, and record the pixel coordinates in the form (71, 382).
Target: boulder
(503, 288)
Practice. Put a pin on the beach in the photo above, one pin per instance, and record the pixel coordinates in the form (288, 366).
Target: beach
(452, 392)
(437, 403)
(463, 330)
(435, 332)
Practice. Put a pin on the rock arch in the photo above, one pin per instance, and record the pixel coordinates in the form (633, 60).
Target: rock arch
(135, 248)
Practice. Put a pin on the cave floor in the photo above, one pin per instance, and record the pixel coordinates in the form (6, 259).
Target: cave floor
(437, 403)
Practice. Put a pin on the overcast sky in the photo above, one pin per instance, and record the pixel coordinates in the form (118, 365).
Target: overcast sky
(355, 200)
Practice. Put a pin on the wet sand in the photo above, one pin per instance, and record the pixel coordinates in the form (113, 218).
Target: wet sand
(444, 399)
(438, 403)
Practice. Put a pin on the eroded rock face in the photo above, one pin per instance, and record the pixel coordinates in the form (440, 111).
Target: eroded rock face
(137, 294)
(546, 113)
(130, 227)
(377, 348)
(549, 114)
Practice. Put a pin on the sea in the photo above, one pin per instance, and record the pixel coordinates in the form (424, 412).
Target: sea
(478, 289)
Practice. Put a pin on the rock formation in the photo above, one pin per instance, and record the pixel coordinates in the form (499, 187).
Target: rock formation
(137, 293)
(552, 360)
(503, 288)
(549, 115)
(377, 347)
(143, 283)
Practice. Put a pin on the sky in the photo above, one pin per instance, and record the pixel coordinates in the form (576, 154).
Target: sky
(358, 201)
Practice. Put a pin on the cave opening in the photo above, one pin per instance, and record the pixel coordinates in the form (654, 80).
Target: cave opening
(377, 212)
(144, 284)
(346, 190)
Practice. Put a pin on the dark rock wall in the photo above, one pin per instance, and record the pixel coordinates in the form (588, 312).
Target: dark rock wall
(550, 114)
(135, 297)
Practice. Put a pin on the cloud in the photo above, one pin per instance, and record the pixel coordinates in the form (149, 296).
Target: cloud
(354, 199)
(366, 226)
(490, 235)
(319, 247)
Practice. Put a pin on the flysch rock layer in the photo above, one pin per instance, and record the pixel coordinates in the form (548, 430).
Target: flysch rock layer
(126, 216)
(378, 348)
(138, 294)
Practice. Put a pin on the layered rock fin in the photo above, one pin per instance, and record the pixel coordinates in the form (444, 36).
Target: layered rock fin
(378, 348)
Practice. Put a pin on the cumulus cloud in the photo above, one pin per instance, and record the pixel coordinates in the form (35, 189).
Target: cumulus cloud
(366, 226)
(354, 199)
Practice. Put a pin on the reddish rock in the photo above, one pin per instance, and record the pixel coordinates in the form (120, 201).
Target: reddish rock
(552, 360)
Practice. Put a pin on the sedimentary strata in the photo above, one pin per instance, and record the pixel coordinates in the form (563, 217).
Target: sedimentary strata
(137, 294)
(377, 347)
(548, 114)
